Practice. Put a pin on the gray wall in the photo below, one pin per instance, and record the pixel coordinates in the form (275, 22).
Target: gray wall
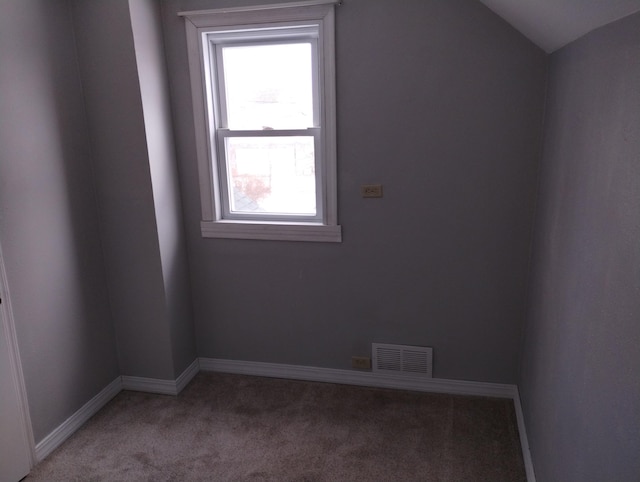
(139, 209)
(154, 91)
(580, 383)
(48, 215)
(116, 124)
(442, 103)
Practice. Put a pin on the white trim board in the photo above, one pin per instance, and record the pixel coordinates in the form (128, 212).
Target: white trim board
(89, 409)
(253, 8)
(6, 318)
(162, 387)
(75, 421)
(366, 379)
(369, 379)
(149, 385)
(187, 375)
(524, 440)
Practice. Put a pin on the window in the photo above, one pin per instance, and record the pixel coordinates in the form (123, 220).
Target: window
(263, 91)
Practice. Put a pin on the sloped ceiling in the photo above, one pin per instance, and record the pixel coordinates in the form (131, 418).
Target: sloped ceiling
(552, 24)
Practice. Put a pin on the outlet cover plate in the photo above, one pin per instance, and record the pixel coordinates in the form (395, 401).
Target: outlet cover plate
(371, 190)
(361, 362)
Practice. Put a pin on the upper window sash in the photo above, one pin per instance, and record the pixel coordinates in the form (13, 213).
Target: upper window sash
(216, 78)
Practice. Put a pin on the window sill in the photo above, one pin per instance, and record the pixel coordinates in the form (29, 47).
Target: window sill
(272, 231)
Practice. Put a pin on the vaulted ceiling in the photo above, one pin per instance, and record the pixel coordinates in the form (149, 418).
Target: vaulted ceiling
(552, 24)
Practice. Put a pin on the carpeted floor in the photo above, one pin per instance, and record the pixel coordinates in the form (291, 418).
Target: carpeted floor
(230, 427)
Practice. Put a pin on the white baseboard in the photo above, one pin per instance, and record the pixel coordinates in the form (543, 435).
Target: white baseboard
(524, 440)
(352, 377)
(163, 387)
(187, 375)
(75, 421)
(149, 385)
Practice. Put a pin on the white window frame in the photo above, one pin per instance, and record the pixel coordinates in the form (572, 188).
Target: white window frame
(206, 30)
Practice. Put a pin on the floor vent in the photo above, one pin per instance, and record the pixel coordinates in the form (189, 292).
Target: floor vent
(403, 359)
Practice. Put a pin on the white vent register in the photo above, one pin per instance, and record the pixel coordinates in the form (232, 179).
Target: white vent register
(402, 359)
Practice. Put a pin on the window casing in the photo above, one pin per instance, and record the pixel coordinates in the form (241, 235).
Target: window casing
(245, 151)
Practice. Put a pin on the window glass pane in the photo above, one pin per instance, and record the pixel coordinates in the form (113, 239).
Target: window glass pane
(268, 86)
(271, 175)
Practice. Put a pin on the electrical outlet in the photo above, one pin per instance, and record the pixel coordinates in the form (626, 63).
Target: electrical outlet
(371, 190)
(361, 362)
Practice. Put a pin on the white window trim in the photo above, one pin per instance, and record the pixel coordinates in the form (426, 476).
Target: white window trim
(203, 21)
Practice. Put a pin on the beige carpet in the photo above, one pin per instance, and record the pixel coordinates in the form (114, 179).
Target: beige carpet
(231, 427)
